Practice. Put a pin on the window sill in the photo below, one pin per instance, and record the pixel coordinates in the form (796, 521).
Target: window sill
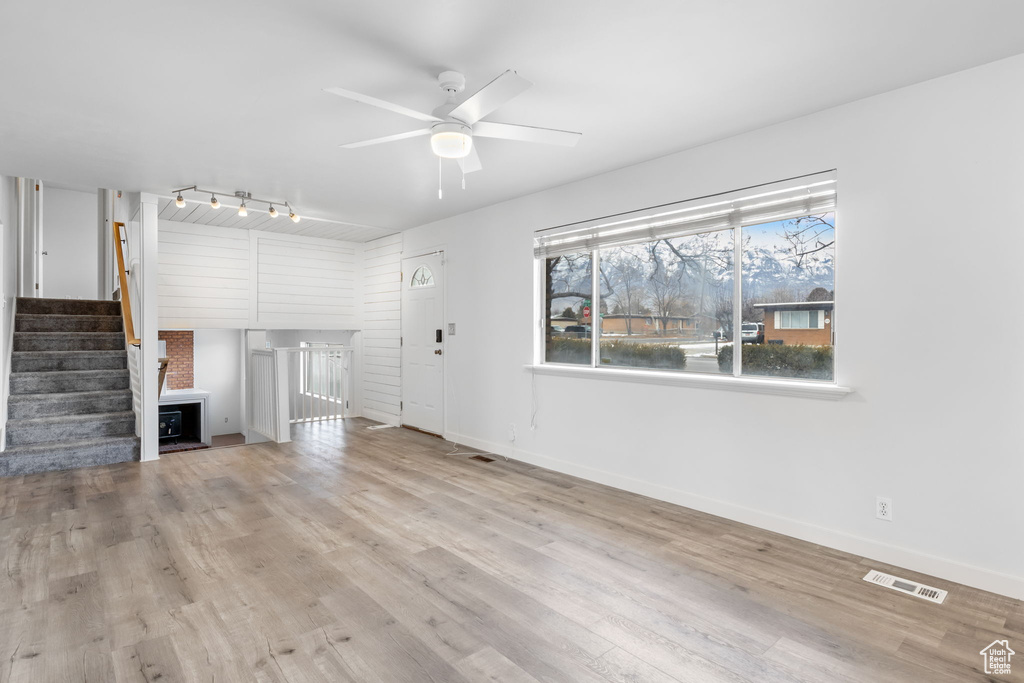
(756, 385)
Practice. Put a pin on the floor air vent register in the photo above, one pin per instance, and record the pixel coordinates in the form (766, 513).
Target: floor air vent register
(905, 586)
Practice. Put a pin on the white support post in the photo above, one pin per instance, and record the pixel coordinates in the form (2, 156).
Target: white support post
(147, 323)
(283, 430)
(595, 308)
(737, 302)
(37, 237)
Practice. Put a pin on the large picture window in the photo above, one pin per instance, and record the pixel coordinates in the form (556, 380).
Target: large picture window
(736, 284)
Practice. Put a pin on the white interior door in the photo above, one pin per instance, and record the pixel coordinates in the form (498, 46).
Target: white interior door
(423, 345)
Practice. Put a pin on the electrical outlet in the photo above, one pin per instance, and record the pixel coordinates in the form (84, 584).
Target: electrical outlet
(451, 329)
(512, 432)
(883, 508)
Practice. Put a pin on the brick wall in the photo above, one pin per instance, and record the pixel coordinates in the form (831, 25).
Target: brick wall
(810, 337)
(180, 351)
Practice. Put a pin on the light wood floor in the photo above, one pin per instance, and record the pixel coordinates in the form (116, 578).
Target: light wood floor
(361, 555)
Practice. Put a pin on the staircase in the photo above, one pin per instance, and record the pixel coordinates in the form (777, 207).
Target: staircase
(71, 401)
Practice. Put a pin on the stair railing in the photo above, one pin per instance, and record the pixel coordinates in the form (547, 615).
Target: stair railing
(297, 384)
(318, 382)
(120, 242)
(268, 393)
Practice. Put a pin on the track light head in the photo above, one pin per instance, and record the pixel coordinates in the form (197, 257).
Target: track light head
(242, 210)
(273, 211)
(179, 201)
(214, 202)
(294, 216)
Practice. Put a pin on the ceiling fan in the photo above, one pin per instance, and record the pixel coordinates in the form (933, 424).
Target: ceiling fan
(453, 126)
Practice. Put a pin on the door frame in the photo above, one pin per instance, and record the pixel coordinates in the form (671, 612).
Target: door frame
(441, 249)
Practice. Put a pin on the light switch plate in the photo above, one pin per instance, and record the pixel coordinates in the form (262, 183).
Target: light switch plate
(451, 329)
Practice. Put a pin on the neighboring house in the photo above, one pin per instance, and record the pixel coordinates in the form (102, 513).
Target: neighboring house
(638, 324)
(560, 322)
(798, 322)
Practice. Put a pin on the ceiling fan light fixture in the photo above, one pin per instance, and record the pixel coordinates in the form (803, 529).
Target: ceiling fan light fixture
(451, 140)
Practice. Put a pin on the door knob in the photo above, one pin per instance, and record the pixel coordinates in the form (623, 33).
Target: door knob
(437, 352)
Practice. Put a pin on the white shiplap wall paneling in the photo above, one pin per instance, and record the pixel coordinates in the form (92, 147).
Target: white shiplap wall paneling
(382, 328)
(303, 282)
(203, 278)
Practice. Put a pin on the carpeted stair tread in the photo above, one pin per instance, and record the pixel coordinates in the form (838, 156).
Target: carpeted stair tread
(33, 306)
(30, 398)
(21, 406)
(48, 361)
(43, 457)
(68, 341)
(61, 429)
(64, 381)
(45, 322)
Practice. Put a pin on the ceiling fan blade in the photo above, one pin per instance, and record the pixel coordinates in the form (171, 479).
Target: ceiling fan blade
(389, 138)
(490, 97)
(470, 162)
(508, 131)
(373, 101)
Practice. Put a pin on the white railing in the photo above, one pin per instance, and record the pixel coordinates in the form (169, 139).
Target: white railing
(297, 384)
(136, 385)
(265, 395)
(318, 386)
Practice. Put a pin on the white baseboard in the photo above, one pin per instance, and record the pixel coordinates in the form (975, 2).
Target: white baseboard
(393, 420)
(951, 570)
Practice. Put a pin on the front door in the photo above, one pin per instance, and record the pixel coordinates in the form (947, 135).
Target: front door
(423, 343)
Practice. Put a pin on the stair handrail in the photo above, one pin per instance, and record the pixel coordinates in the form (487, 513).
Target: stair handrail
(126, 304)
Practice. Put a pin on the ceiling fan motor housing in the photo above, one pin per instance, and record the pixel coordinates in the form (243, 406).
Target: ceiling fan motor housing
(452, 82)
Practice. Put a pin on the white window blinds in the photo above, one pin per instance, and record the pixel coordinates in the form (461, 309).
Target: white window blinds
(801, 196)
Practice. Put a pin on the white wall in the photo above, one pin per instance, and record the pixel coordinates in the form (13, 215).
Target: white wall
(217, 368)
(9, 280)
(71, 241)
(293, 338)
(203, 277)
(929, 184)
(379, 344)
(214, 277)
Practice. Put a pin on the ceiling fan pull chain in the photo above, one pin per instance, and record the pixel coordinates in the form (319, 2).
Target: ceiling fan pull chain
(439, 193)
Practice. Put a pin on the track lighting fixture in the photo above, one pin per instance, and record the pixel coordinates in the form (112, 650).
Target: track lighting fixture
(244, 200)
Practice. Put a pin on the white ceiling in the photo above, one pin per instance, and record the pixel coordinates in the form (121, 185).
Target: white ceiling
(153, 96)
(197, 210)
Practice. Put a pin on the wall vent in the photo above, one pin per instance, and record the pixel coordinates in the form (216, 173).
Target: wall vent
(905, 586)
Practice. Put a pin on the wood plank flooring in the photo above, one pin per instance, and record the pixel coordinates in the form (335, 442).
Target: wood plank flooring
(375, 555)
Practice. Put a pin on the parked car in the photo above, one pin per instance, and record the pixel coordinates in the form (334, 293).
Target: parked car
(752, 333)
(577, 331)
